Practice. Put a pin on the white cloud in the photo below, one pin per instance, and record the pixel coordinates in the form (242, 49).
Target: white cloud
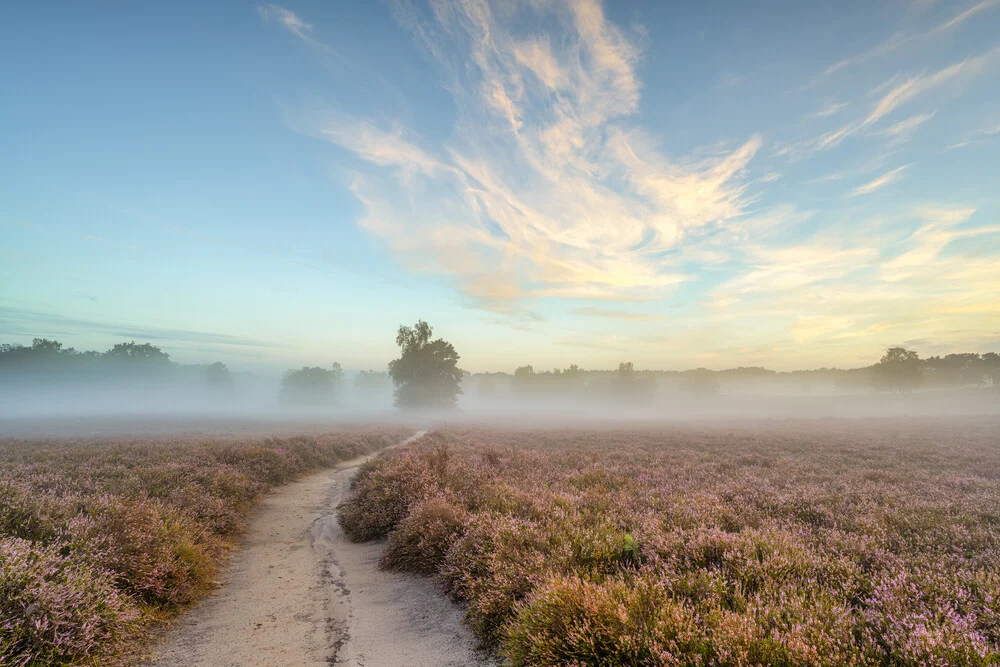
(907, 126)
(547, 188)
(617, 314)
(885, 179)
(894, 93)
(923, 83)
(930, 239)
(895, 277)
(284, 17)
(977, 138)
(898, 41)
(829, 109)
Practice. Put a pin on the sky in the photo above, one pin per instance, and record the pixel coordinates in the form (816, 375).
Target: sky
(718, 184)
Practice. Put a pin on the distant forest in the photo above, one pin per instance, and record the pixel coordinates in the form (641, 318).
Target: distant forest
(47, 362)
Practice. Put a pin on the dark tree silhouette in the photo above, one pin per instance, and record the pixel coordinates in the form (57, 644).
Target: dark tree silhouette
(426, 374)
(133, 352)
(700, 382)
(628, 385)
(312, 385)
(898, 370)
(218, 376)
(525, 379)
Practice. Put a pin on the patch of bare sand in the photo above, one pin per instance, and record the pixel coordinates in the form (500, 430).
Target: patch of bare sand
(298, 593)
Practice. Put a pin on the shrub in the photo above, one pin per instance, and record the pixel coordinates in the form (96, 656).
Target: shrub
(422, 539)
(153, 553)
(383, 495)
(573, 621)
(97, 539)
(493, 566)
(813, 543)
(54, 610)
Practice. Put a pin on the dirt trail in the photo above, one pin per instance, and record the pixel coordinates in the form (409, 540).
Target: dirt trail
(297, 593)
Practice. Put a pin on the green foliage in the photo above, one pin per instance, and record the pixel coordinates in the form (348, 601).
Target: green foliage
(421, 540)
(427, 374)
(898, 370)
(146, 352)
(217, 375)
(312, 385)
(800, 544)
(130, 364)
(573, 621)
(97, 539)
(55, 610)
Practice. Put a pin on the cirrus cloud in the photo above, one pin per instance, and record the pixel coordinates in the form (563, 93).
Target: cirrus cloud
(547, 187)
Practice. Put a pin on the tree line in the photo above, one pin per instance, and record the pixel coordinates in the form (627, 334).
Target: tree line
(426, 374)
(128, 362)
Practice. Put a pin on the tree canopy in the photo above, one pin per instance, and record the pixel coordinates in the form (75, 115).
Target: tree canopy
(218, 376)
(898, 370)
(312, 385)
(426, 374)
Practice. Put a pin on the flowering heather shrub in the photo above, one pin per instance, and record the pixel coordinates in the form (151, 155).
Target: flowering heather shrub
(800, 543)
(421, 540)
(392, 490)
(55, 611)
(569, 621)
(99, 538)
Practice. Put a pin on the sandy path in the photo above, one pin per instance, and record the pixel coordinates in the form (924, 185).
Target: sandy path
(297, 593)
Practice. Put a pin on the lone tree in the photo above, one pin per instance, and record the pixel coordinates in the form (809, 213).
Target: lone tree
(426, 374)
(898, 370)
(312, 385)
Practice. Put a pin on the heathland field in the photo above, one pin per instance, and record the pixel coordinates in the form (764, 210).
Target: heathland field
(100, 537)
(778, 543)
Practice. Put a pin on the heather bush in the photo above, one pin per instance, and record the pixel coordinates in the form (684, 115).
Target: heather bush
(493, 566)
(152, 551)
(422, 539)
(389, 491)
(798, 543)
(55, 610)
(574, 621)
(99, 538)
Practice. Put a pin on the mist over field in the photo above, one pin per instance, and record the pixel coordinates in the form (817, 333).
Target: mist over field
(529, 333)
(46, 389)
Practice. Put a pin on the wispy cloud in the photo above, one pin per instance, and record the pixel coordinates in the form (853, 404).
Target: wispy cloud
(900, 40)
(930, 238)
(880, 182)
(907, 125)
(829, 109)
(285, 18)
(917, 85)
(548, 187)
(977, 138)
(26, 321)
(905, 129)
(893, 94)
(899, 278)
(617, 314)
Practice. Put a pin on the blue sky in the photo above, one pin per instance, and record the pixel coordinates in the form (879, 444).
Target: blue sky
(677, 184)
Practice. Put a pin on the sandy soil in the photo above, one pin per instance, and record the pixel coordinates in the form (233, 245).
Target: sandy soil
(299, 594)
